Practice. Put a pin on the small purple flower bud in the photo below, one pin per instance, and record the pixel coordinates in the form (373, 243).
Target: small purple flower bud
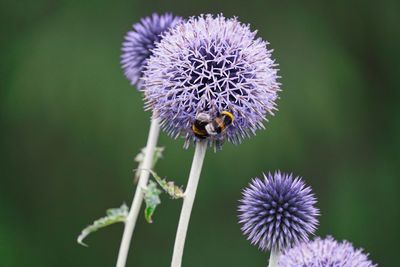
(278, 211)
(208, 65)
(138, 44)
(325, 253)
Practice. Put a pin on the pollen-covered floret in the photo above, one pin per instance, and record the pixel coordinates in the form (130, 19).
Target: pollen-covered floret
(211, 64)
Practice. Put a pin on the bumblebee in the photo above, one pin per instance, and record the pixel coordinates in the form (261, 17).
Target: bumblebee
(204, 126)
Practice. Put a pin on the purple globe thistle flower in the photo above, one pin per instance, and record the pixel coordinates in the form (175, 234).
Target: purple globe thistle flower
(278, 211)
(208, 65)
(138, 44)
(325, 253)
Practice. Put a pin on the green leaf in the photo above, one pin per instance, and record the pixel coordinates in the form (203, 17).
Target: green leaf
(169, 187)
(158, 153)
(152, 200)
(113, 216)
(148, 213)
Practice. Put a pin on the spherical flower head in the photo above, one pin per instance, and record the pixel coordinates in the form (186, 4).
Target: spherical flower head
(138, 44)
(208, 65)
(278, 211)
(325, 253)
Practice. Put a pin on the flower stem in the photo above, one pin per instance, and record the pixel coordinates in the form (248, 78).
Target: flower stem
(138, 198)
(274, 257)
(188, 200)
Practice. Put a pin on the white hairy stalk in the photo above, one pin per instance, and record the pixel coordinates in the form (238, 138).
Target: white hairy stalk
(274, 257)
(188, 200)
(138, 198)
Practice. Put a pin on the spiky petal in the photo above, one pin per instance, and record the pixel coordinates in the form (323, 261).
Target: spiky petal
(325, 253)
(277, 211)
(210, 64)
(138, 44)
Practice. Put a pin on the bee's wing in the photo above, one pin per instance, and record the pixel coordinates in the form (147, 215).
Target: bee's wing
(203, 117)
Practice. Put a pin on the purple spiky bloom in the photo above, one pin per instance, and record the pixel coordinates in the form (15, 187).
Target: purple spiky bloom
(138, 44)
(325, 253)
(210, 64)
(278, 211)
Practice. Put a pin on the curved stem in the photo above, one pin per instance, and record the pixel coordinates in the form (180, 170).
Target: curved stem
(138, 198)
(274, 257)
(190, 194)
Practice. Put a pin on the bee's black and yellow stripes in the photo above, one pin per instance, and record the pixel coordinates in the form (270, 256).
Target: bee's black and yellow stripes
(230, 117)
(204, 128)
(199, 130)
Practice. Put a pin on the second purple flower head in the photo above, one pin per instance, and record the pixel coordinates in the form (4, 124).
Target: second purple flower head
(139, 42)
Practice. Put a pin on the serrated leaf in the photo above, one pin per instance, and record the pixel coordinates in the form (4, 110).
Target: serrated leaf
(158, 153)
(115, 215)
(152, 200)
(169, 187)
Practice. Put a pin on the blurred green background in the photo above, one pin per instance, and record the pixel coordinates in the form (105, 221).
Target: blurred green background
(71, 125)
